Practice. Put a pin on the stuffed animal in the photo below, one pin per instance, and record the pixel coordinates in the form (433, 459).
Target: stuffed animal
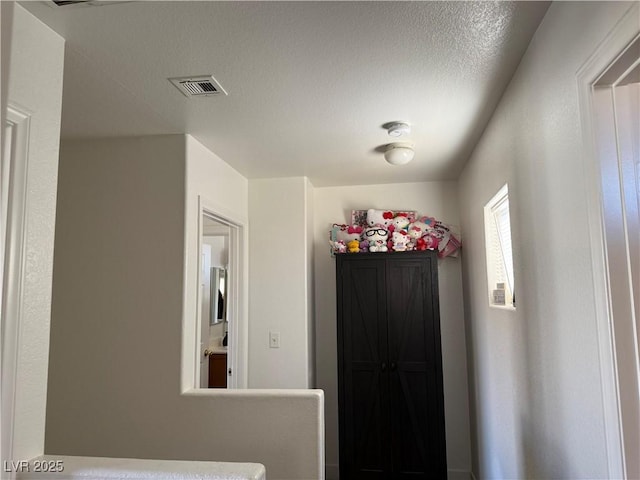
(414, 233)
(400, 241)
(379, 217)
(353, 246)
(377, 237)
(421, 244)
(364, 246)
(424, 227)
(400, 222)
(347, 233)
(338, 247)
(430, 242)
(429, 221)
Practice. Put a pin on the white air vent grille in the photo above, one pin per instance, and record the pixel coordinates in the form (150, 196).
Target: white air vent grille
(62, 3)
(84, 3)
(205, 86)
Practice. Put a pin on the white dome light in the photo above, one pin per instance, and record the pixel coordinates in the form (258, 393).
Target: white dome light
(399, 153)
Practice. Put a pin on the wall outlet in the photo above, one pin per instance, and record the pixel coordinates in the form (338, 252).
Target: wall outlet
(274, 339)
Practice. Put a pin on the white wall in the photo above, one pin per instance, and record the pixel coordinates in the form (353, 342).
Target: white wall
(222, 190)
(279, 283)
(117, 318)
(219, 248)
(437, 199)
(37, 53)
(536, 373)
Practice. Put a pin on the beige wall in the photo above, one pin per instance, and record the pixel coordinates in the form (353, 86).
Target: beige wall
(438, 199)
(536, 386)
(279, 258)
(37, 53)
(117, 321)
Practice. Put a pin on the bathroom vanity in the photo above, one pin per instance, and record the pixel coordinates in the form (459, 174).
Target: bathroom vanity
(218, 368)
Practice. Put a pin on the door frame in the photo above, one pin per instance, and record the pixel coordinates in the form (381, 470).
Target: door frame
(610, 50)
(13, 265)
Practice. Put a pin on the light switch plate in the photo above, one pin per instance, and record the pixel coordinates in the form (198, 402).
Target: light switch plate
(274, 339)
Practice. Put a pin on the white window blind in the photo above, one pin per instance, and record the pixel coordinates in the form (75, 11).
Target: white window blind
(503, 227)
(498, 250)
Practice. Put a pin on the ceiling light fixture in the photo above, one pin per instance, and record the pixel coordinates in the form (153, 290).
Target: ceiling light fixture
(399, 153)
(398, 129)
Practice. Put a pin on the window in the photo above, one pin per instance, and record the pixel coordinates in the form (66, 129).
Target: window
(498, 249)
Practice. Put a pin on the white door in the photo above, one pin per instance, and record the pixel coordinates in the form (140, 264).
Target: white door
(205, 313)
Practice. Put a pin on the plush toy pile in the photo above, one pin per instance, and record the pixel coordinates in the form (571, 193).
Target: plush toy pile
(388, 231)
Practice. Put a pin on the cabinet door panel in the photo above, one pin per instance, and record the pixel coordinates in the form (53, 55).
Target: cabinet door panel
(364, 415)
(413, 334)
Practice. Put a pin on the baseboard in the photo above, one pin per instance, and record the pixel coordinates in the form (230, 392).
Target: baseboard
(333, 473)
(460, 475)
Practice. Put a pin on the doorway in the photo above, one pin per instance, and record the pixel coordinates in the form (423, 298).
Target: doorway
(614, 97)
(214, 275)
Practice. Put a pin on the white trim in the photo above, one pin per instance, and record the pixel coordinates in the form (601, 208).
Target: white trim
(237, 353)
(459, 475)
(332, 472)
(608, 51)
(14, 269)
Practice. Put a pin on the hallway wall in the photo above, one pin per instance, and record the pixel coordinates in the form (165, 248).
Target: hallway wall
(537, 409)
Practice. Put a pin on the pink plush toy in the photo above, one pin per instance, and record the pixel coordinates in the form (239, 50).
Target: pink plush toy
(338, 247)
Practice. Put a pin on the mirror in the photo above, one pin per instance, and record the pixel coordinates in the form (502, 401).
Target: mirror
(218, 312)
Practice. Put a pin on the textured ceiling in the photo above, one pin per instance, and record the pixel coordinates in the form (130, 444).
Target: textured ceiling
(310, 83)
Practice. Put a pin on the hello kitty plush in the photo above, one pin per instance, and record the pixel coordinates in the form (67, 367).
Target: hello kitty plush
(347, 233)
(400, 241)
(414, 233)
(377, 237)
(430, 242)
(379, 217)
(338, 247)
(424, 227)
(400, 222)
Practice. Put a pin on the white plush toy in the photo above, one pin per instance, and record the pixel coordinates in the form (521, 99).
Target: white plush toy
(415, 231)
(424, 227)
(401, 222)
(377, 238)
(347, 233)
(400, 241)
(379, 217)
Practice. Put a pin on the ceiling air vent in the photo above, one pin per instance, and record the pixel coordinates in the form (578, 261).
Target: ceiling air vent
(204, 86)
(84, 3)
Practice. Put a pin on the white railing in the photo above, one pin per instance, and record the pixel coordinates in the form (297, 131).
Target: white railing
(53, 467)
